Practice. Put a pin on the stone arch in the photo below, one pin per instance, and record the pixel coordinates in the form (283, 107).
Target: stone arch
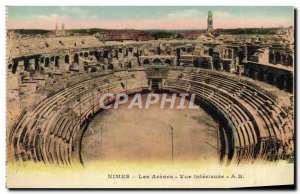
(14, 67)
(94, 69)
(26, 64)
(81, 54)
(284, 59)
(146, 61)
(56, 61)
(210, 52)
(120, 50)
(67, 59)
(76, 58)
(110, 66)
(189, 50)
(36, 63)
(289, 60)
(168, 61)
(129, 65)
(157, 60)
(42, 59)
(271, 58)
(277, 58)
(97, 55)
(86, 54)
(105, 54)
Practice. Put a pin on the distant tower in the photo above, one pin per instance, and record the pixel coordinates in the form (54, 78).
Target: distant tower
(56, 30)
(210, 28)
(63, 29)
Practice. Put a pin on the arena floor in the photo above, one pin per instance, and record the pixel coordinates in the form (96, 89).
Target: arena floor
(145, 135)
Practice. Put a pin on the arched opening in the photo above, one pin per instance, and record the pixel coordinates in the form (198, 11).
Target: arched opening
(97, 55)
(105, 54)
(271, 58)
(52, 58)
(189, 50)
(42, 59)
(76, 58)
(56, 61)
(146, 61)
(86, 54)
(157, 61)
(93, 69)
(168, 61)
(196, 63)
(36, 63)
(129, 64)
(271, 78)
(110, 66)
(210, 52)
(81, 54)
(26, 64)
(277, 58)
(115, 53)
(183, 49)
(284, 60)
(120, 50)
(14, 67)
(158, 50)
(67, 59)
(290, 60)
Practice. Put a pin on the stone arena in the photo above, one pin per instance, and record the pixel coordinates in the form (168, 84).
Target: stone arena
(244, 85)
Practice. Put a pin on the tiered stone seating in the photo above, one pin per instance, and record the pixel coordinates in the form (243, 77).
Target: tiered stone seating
(51, 131)
(267, 115)
(52, 139)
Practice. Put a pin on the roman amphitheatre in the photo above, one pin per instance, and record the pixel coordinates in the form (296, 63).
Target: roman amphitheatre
(244, 85)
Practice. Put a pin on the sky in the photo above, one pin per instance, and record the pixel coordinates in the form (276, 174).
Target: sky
(134, 17)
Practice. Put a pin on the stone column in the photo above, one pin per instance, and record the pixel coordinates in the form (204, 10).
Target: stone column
(31, 64)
